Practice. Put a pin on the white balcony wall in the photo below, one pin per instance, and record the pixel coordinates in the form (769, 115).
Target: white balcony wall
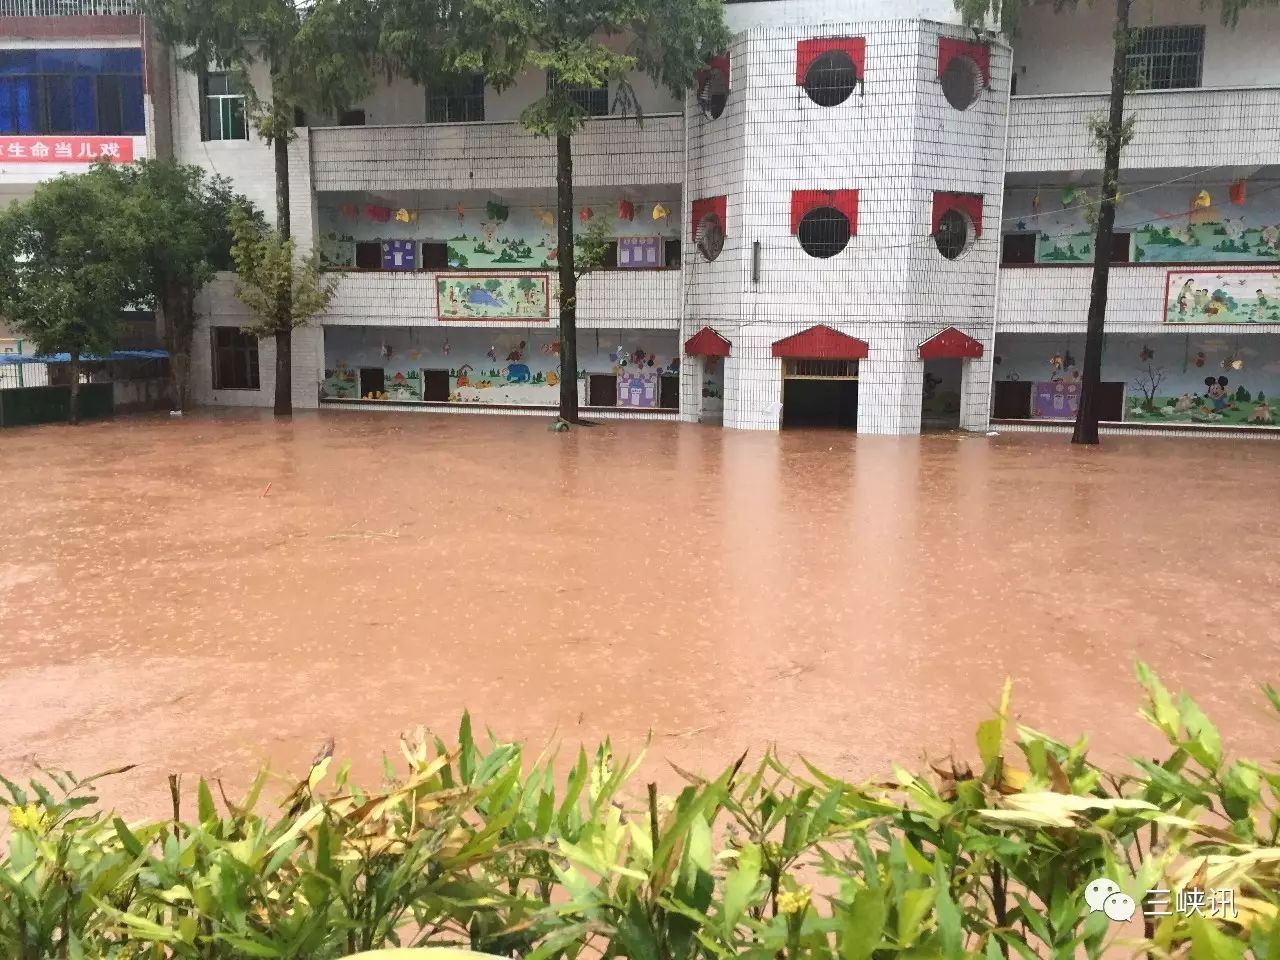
(1056, 300)
(495, 156)
(792, 13)
(1173, 128)
(1071, 51)
(618, 299)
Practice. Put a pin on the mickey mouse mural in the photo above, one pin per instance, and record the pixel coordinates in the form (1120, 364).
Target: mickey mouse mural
(1216, 389)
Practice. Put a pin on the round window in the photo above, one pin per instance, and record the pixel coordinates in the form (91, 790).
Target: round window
(709, 236)
(823, 232)
(962, 82)
(831, 78)
(712, 94)
(954, 234)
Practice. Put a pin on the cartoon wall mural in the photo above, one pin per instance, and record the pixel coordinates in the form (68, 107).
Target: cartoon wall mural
(509, 367)
(1167, 224)
(1222, 296)
(1169, 378)
(516, 234)
(493, 296)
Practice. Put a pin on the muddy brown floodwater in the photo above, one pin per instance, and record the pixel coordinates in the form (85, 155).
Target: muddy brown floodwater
(859, 599)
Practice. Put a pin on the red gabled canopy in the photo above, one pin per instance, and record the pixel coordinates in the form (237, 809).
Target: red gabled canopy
(707, 343)
(950, 344)
(821, 343)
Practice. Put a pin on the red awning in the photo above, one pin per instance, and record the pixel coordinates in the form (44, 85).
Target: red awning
(707, 343)
(950, 344)
(821, 343)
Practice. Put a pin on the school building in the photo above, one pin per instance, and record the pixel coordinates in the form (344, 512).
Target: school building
(862, 215)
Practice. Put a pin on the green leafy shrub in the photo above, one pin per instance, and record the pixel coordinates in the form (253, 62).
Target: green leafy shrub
(478, 846)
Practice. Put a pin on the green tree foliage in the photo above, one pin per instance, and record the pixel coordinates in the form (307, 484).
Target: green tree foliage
(572, 43)
(71, 263)
(316, 57)
(281, 290)
(183, 218)
(477, 844)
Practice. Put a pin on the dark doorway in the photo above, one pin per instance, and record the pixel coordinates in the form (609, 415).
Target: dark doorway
(669, 393)
(940, 400)
(435, 386)
(372, 380)
(820, 403)
(602, 390)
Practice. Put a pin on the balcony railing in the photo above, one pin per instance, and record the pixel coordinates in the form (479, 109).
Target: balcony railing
(1205, 127)
(608, 151)
(68, 8)
(639, 299)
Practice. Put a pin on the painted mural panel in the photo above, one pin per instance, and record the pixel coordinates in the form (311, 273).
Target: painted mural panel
(1175, 224)
(487, 366)
(469, 297)
(508, 234)
(1222, 296)
(1177, 377)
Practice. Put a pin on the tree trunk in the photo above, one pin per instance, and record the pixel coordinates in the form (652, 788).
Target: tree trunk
(1086, 430)
(568, 281)
(73, 409)
(178, 302)
(284, 304)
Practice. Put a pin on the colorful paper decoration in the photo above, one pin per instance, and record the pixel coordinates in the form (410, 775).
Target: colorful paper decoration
(1239, 192)
(444, 347)
(349, 211)
(1200, 359)
(462, 213)
(377, 214)
(497, 211)
(1068, 195)
(1202, 200)
(1056, 361)
(547, 217)
(1146, 354)
(585, 214)
(406, 216)
(660, 212)
(626, 210)
(1035, 202)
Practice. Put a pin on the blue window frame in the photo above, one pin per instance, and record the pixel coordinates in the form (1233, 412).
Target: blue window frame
(71, 91)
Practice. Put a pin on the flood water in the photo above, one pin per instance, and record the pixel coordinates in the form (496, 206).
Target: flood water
(206, 594)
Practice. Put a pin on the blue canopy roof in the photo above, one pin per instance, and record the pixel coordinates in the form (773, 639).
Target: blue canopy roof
(10, 359)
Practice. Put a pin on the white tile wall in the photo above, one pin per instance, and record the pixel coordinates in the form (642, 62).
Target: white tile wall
(640, 300)
(896, 142)
(1172, 128)
(496, 156)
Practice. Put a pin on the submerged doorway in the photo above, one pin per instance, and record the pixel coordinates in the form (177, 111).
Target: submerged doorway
(819, 393)
(940, 400)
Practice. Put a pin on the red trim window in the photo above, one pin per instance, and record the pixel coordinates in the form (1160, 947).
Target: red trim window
(712, 86)
(717, 205)
(806, 201)
(808, 51)
(949, 49)
(970, 204)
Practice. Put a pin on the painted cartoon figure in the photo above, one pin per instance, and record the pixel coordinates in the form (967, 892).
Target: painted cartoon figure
(1217, 393)
(1201, 299)
(1260, 308)
(518, 373)
(1185, 403)
(1271, 237)
(1261, 413)
(1185, 297)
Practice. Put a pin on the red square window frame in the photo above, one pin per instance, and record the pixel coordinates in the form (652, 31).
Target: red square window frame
(949, 48)
(969, 204)
(803, 201)
(717, 205)
(808, 51)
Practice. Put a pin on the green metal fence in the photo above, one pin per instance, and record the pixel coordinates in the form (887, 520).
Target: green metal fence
(29, 405)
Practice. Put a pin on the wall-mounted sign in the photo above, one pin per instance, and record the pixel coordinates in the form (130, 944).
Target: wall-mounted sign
(1206, 295)
(1057, 400)
(638, 253)
(466, 296)
(65, 149)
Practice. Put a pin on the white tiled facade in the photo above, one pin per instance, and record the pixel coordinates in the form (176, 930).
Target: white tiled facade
(896, 141)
